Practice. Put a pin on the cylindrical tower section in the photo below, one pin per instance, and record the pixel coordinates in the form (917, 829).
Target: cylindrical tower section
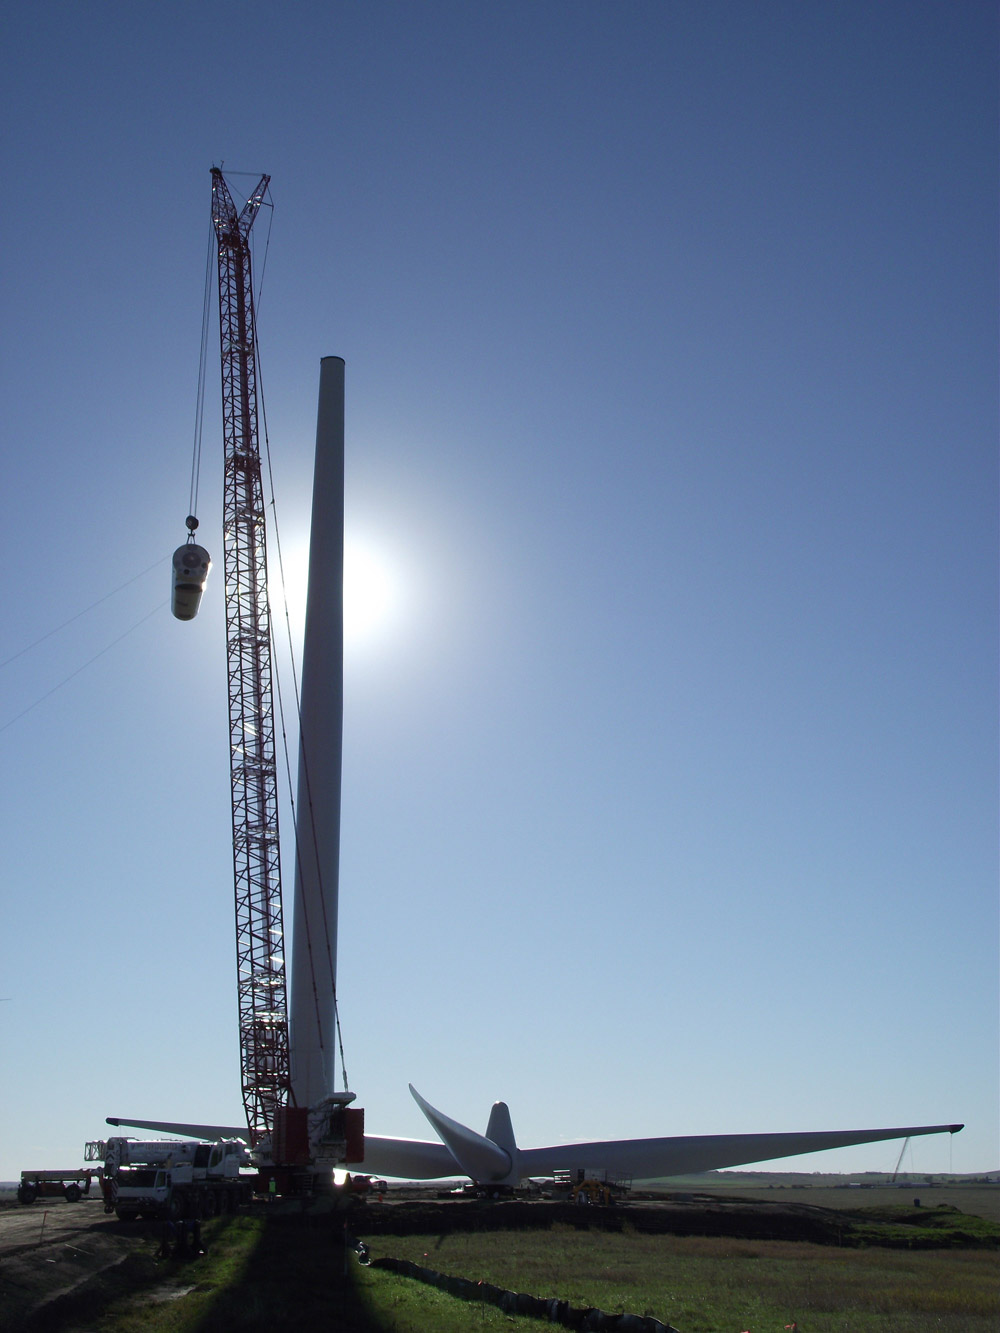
(317, 816)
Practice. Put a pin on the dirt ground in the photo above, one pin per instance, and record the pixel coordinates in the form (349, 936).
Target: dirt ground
(49, 1248)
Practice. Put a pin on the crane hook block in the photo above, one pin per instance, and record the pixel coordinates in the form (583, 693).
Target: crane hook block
(191, 565)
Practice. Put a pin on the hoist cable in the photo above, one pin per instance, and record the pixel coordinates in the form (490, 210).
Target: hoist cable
(284, 730)
(48, 635)
(288, 777)
(263, 263)
(90, 661)
(305, 764)
(199, 411)
(298, 862)
(899, 1161)
(281, 709)
(298, 707)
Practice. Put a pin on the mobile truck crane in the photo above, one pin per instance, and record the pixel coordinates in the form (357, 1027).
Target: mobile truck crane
(172, 1178)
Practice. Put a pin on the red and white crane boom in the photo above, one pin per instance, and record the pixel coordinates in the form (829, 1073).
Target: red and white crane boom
(263, 1010)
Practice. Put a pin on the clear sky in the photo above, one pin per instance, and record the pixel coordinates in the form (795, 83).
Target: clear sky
(670, 776)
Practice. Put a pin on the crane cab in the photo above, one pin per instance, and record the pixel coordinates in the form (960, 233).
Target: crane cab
(190, 574)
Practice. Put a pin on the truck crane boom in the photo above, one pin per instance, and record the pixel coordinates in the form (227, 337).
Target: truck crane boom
(263, 1008)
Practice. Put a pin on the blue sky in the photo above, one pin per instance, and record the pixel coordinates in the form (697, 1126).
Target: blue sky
(670, 778)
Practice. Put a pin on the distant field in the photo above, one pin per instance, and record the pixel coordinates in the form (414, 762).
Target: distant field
(707, 1284)
(710, 1284)
(835, 1192)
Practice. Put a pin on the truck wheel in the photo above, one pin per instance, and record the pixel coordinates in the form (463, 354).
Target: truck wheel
(27, 1193)
(73, 1193)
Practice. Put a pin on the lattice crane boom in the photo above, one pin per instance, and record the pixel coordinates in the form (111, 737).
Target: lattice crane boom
(263, 1010)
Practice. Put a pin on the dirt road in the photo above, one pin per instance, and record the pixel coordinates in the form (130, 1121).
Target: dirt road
(49, 1248)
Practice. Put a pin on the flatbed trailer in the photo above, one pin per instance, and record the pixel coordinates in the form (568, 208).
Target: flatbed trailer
(68, 1185)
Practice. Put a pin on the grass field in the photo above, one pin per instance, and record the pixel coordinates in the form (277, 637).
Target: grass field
(715, 1285)
(267, 1273)
(981, 1200)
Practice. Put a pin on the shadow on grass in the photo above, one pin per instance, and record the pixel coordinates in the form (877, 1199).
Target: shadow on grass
(298, 1275)
(260, 1273)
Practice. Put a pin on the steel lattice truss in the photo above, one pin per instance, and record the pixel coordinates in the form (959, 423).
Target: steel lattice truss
(264, 1054)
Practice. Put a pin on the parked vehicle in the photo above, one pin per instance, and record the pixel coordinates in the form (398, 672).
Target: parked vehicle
(68, 1185)
(172, 1178)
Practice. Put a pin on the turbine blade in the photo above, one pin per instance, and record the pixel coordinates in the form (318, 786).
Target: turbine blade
(408, 1159)
(650, 1158)
(190, 1131)
(478, 1157)
(500, 1131)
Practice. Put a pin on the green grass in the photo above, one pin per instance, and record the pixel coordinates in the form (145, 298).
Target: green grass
(942, 1227)
(714, 1285)
(402, 1305)
(258, 1277)
(265, 1274)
